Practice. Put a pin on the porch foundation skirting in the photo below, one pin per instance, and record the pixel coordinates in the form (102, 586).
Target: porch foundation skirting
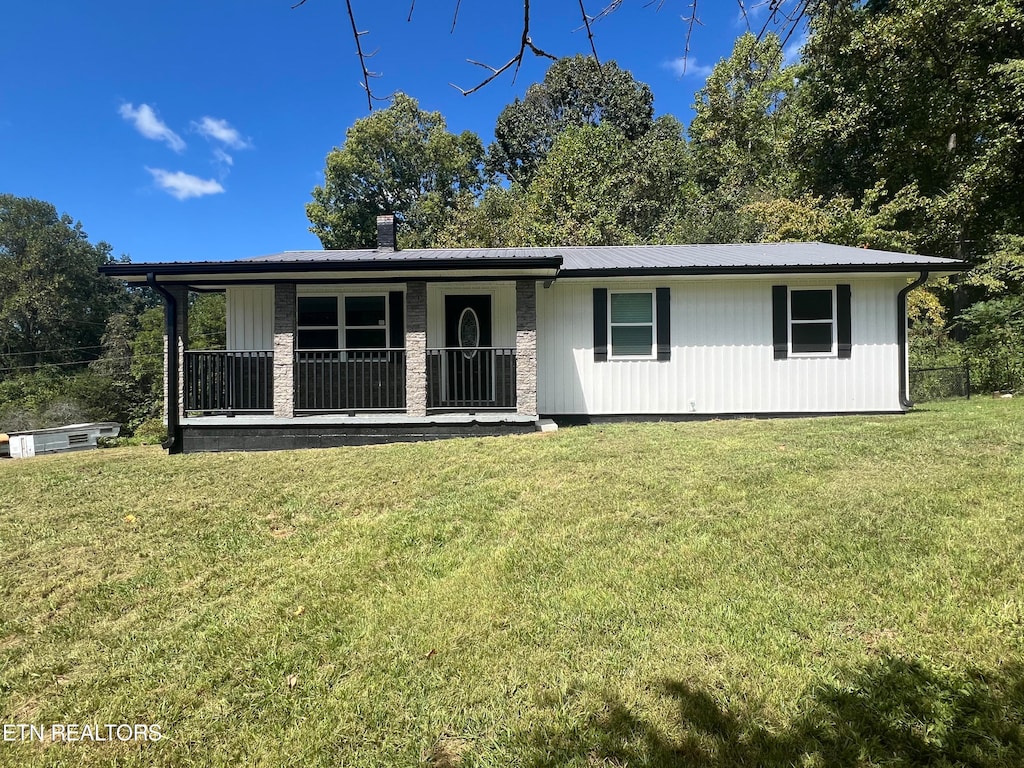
(269, 433)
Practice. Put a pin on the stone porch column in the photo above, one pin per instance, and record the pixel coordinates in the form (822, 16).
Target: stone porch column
(284, 349)
(416, 348)
(174, 401)
(526, 347)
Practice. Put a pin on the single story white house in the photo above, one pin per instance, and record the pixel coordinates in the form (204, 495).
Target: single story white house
(341, 347)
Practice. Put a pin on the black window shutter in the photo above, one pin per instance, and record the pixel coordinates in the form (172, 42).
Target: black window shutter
(396, 311)
(780, 321)
(843, 321)
(663, 299)
(600, 324)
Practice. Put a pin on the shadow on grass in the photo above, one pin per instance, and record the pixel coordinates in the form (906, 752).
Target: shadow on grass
(892, 712)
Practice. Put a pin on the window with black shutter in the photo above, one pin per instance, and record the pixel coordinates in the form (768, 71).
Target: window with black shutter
(811, 322)
(632, 324)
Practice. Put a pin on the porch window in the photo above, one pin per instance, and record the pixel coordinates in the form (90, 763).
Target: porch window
(317, 322)
(366, 323)
(363, 323)
(631, 324)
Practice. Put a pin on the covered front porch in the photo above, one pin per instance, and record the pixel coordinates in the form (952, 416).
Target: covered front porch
(354, 346)
(357, 348)
(336, 363)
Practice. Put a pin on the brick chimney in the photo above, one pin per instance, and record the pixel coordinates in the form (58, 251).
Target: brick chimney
(386, 233)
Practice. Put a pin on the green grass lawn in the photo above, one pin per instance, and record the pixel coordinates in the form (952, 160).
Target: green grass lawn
(820, 592)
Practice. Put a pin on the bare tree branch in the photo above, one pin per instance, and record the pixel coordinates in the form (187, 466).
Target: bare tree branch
(743, 12)
(455, 16)
(793, 20)
(367, 74)
(516, 61)
(590, 32)
(784, 17)
(689, 33)
(608, 10)
(356, 34)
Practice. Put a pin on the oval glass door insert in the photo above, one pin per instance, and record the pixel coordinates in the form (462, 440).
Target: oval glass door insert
(469, 331)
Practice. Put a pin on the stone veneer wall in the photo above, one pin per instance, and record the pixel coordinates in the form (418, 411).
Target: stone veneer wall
(416, 348)
(526, 347)
(284, 349)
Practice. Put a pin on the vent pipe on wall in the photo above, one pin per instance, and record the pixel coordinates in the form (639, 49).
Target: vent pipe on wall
(901, 337)
(173, 442)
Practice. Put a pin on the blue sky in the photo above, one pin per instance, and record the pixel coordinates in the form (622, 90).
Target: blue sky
(196, 130)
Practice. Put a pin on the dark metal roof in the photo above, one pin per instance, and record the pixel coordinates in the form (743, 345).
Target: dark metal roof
(632, 258)
(575, 261)
(743, 256)
(412, 254)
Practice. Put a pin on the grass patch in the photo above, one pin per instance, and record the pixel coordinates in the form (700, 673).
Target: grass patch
(835, 591)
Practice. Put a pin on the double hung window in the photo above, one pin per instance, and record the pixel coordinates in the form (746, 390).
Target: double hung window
(631, 324)
(812, 321)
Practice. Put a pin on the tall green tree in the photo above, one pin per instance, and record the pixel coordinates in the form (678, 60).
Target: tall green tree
(399, 160)
(576, 91)
(492, 221)
(742, 128)
(54, 304)
(874, 222)
(924, 93)
(597, 187)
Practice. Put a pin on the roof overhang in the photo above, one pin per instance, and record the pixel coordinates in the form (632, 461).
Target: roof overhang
(212, 273)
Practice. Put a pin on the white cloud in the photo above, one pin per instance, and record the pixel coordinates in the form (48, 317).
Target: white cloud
(152, 127)
(222, 157)
(184, 185)
(688, 66)
(222, 131)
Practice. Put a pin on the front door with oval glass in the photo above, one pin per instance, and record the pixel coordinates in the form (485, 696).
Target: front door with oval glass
(469, 364)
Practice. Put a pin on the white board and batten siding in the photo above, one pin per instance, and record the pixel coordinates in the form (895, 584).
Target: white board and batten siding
(250, 317)
(722, 358)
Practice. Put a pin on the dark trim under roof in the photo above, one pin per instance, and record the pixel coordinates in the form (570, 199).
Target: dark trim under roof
(369, 265)
(782, 269)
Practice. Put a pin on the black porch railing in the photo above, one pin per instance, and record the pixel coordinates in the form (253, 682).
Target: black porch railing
(229, 380)
(477, 378)
(350, 380)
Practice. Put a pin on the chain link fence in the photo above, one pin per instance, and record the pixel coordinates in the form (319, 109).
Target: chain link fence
(940, 383)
